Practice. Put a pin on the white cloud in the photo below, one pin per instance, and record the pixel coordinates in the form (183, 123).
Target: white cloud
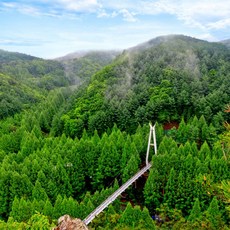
(80, 5)
(207, 36)
(9, 4)
(127, 16)
(220, 24)
(202, 14)
(103, 14)
(195, 13)
(28, 10)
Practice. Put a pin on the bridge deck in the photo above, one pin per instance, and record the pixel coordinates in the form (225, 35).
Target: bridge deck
(112, 197)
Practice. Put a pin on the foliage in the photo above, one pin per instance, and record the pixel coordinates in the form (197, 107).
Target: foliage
(175, 77)
(65, 151)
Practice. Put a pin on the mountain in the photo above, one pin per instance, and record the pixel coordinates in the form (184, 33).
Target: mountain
(102, 55)
(80, 66)
(163, 79)
(16, 96)
(64, 151)
(26, 80)
(26, 77)
(35, 72)
(6, 56)
(226, 42)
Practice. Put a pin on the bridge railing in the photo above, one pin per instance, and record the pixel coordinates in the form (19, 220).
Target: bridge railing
(113, 197)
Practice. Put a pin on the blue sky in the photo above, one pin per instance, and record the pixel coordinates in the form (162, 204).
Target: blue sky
(53, 28)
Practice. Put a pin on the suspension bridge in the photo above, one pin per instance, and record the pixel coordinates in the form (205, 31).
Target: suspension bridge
(111, 198)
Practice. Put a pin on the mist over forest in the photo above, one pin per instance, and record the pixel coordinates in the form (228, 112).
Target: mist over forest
(75, 128)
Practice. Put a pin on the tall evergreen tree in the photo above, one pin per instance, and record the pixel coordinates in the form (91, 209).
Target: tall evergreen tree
(48, 209)
(57, 211)
(170, 189)
(130, 169)
(38, 192)
(213, 214)
(152, 190)
(196, 213)
(108, 163)
(148, 221)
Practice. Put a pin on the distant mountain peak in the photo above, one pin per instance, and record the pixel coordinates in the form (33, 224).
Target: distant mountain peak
(164, 39)
(84, 53)
(226, 43)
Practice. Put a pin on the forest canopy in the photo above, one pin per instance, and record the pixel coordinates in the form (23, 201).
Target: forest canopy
(65, 148)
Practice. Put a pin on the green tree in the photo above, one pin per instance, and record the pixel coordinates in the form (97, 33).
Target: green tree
(148, 221)
(4, 192)
(131, 216)
(170, 189)
(108, 163)
(48, 209)
(57, 211)
(213, 215)
(38, 192)
(204, 151)
(152, 190)
(38, 221)
(196, 213)
(15, 213)
(130, 169)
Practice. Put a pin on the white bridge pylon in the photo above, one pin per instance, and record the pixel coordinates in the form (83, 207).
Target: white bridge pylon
(152, 142)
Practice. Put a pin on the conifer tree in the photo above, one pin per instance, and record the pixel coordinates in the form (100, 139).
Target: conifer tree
(72, 207)
(204, 151)
(108, 163)
(130, 169)
(182, 132)
(38, 206)
(89, 207)
(214, 215)
(194, 149)
(170, 189)
(180, 195)
(138, 140)
(62, 180)
(162, 148)
(195, 214)
(64, 207)
(15, 213)
(127, 216)
(187, 148)
(152, 191)
(38, 192)
(180, 151)
(189, 166)
(148, 221)
(76, 174)
(57, 211)
(20, 186)
(48, 209)
(52, 191)
(4, 192)
(37, 131)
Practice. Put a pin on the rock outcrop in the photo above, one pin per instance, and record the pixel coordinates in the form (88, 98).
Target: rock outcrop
(67, 223)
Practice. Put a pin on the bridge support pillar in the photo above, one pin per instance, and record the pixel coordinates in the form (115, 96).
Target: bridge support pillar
(152, 142)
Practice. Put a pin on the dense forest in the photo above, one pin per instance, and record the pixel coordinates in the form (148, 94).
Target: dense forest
(73, 130)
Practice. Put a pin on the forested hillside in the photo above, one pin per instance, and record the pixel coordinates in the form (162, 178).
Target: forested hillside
(226, 42)
(161, 80)
(25, 80)
(72, 149)
(79, 67)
